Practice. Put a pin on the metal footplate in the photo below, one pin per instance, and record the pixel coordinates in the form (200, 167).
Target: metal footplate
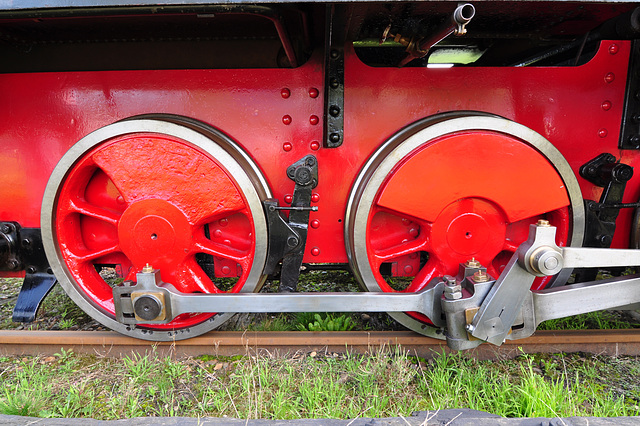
(472, 306)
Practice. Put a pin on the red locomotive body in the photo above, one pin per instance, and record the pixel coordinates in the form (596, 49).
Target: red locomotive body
(219, 144)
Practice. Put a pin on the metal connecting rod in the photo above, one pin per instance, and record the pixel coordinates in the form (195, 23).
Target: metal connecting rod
(151, 301)
(472, 306)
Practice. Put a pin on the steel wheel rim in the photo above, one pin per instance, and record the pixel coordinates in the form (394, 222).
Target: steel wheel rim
(208, 141)
(373, 175)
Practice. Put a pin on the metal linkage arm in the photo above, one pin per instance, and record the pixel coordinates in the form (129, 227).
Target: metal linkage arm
(540, 256)
(151, 301)
(575, 299)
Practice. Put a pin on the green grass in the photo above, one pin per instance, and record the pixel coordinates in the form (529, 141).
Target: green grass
(386, 383)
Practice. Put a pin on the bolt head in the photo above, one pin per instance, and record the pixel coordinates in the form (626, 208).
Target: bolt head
(543, 222)
(303, 176)
(472, 263)
(292, 241)
(480, 277)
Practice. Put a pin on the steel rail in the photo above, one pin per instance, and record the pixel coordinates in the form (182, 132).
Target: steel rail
(111, 344)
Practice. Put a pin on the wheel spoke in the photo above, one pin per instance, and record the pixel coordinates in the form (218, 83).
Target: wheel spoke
(204, 245)
(89, 255)
(189, 277)
(429, 271)
(510, 246)
(419, 244)
(79, 206)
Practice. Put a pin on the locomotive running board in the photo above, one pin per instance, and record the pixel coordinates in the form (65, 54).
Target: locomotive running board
(472, 307)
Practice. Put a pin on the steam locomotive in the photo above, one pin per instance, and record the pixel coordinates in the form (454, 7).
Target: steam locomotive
(470, 163)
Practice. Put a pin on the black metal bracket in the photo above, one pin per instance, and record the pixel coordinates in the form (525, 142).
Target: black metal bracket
(630, 130)
(604, 171)
(334, 77)
(288, 238)
(22, 249)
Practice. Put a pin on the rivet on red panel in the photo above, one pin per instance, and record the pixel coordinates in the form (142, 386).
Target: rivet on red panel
(285, 93)
(313, 92)
(606, 105)
(408, 269)
(315, 145)
(613, 48)
(609, 77)
(288, 198)
(120, 199)
(315, 223)
(413, 232)
(314, 120)
(223, 222)
(315, 197)
(226, 270)
(286, 119)
(315, 251)
(603, 133)
(287, 146)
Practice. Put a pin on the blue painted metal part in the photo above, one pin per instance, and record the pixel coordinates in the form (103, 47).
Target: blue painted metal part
(34, 289)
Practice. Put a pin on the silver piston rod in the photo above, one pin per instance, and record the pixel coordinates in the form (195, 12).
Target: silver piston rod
(484, 311)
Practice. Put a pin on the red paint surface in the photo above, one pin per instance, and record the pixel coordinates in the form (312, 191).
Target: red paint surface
(44, 114)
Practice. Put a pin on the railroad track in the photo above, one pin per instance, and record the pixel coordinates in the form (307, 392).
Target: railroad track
(107, 343)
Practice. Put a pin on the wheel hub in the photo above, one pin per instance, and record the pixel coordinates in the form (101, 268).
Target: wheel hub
(155, 232)
(468, 228)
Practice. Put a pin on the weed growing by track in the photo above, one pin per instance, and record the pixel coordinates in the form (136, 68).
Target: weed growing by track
(387, 383)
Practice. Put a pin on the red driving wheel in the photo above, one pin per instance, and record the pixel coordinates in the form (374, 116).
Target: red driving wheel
(449, 194)
(165, 199)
